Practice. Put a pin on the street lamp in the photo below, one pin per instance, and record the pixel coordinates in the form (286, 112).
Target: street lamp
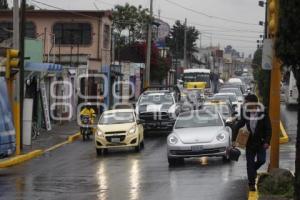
(261, 23)
(261, 3)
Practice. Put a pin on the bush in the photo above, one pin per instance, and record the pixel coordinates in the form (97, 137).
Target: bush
(278, 184)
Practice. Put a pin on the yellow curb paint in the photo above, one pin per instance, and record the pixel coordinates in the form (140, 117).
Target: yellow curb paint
(284, 138)
(253, 196)
(20, 159)
(57, 146)
(74, 137)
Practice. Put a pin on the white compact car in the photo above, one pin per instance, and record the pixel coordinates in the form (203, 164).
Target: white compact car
(198, 133)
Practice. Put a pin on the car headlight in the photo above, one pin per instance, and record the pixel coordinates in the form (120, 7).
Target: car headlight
(221, 137)
(132, 130)
(100, 133)
(228, 121)
(173, 139)
(172, 109)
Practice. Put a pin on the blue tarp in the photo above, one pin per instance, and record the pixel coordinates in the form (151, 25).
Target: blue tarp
(7, 130)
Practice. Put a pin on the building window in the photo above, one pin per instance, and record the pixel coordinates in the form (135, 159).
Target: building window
(6, 30)
(106, 36)
(72, 33)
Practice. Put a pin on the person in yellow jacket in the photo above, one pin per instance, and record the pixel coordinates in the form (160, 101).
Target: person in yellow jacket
(90, 113)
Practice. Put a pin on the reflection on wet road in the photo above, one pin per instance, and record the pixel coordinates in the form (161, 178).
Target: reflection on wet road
(75, 172)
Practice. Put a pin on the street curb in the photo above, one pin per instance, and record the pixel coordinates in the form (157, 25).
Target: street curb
(36, 153)
(253, 196)
(74, 137)
(21, 158)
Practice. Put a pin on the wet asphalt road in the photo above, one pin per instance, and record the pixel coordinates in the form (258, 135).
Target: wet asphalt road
(75, 172)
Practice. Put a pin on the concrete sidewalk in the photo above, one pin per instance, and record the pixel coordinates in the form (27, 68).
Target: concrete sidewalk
(58, 134)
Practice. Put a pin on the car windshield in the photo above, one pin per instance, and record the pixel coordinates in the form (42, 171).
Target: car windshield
(197, 119)
(157, 99)
(197, 77)
(232, 90)
(231, 97)
(117, 118)
(221, 108)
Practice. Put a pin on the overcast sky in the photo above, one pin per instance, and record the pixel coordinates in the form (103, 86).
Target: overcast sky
(220, 32)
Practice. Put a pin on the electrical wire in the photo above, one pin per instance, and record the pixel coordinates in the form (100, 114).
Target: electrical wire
(222, 29)
(210, 16)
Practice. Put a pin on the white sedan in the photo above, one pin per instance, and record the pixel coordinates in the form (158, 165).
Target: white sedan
(198, 133)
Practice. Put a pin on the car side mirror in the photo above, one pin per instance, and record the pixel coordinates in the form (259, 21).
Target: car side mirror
(140, 121)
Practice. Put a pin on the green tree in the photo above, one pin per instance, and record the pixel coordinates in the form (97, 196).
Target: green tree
(132, 19)
(176, 40)
(288, 50)
(3, 4)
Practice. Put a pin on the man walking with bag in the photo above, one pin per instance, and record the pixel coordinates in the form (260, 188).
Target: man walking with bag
(258, 125)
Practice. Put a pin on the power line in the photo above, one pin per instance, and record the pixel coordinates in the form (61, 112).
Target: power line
(209, 16)
(192, 23)
(229, 35)
(69, 11)
(230, 39)
(223, 29)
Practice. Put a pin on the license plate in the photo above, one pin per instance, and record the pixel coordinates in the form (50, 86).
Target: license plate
(115, 140)
(197, 148)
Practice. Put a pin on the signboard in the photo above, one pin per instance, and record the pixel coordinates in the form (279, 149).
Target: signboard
(7, 130)
(45, 106)
(163, 29)
(267, 55)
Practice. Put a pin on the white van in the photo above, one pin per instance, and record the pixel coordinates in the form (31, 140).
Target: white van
(291, 92)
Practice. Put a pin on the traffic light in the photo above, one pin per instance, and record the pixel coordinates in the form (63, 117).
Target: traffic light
(273, 16)
(12, 61)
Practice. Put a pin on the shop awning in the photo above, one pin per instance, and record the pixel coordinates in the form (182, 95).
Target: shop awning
(43, 67)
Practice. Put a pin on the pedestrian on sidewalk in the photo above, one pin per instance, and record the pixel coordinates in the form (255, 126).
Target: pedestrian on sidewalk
(258, 124)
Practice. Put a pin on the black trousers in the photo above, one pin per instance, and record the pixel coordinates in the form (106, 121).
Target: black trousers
(255, 159)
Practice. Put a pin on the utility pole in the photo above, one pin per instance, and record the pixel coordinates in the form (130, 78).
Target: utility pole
(16, 24)
(149, 43)
(184, 44)
(16, 93)
(274, 110)
(200, 38)
(22, 55)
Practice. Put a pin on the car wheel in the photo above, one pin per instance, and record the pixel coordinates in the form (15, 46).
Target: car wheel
(138, 147)
(175, 161)
(99, 152)
(142, 144)
(104, 151)
(172, 161)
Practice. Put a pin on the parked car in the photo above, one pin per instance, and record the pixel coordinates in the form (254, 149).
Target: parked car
(291, 92)
(198, 133)
(118, 128)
